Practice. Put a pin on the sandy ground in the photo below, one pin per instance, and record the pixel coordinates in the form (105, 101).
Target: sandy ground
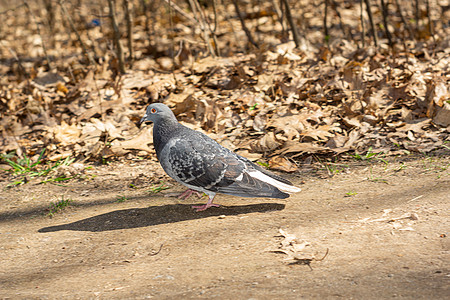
(385, 226)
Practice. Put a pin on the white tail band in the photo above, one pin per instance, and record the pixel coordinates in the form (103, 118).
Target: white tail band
(278, 184)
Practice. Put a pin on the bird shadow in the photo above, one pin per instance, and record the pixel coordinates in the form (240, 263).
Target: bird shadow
(155, 215)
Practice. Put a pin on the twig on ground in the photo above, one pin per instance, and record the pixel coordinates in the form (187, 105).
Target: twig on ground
(157, 252)
(307, 261)
(414, 199)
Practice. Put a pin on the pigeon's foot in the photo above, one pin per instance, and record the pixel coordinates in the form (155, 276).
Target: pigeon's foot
(205, 206)
(186, 194)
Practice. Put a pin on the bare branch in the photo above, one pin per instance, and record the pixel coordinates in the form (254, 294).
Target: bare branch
(118, 44)
(195, 6)
(384, 10)
(292, 24)
(363, 33)
(173, 43)
(430, 23)
(49, 63)
(417, 12)
(180, 11)
(341, 25)
(402, 17)
(129, 18)
(50, 15)
(244, 27)
(280, 16)
(372, 25)
(72, 26)
(325, 25)
(12, 9)
(19, 62)
(213, 31)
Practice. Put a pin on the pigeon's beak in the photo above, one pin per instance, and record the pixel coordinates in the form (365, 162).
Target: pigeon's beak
(144, 119)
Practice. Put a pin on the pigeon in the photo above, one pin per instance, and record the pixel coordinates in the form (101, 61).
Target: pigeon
(200, 163)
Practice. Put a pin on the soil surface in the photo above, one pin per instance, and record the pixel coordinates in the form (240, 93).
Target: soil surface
(385, 227)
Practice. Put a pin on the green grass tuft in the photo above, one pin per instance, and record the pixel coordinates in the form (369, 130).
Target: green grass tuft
(263, 164)
(58, 206)
(158, 188)
(121, 198)
(25, 168)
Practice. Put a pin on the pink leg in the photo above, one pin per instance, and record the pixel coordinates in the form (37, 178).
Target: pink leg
(206, 206)
(186, 194)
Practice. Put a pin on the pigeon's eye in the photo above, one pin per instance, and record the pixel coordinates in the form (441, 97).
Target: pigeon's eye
(153, 111)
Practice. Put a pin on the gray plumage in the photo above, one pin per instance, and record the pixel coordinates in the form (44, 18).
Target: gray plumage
(200, 163)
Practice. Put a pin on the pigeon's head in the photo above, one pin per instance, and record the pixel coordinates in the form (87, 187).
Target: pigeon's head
(157, 112)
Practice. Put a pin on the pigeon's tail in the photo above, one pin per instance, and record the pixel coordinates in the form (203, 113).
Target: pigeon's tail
(258, 184)
(282, 186)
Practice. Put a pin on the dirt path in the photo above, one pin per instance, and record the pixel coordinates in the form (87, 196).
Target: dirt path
(385, 228)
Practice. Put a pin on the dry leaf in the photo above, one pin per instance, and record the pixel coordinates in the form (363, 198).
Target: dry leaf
(66, 134)
(295, 147)
(138, 142)
(249, 155)
(280, 163)
(267, 143)
(322, 132)
(439, 103)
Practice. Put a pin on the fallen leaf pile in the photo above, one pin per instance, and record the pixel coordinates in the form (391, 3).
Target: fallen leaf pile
(275, 103)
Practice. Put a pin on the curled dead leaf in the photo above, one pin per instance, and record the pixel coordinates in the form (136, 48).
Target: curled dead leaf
(267, 143)
(251, 156)
(61, 88)
(66, 134)
(439, 103)
(181, 103)
(322, 132)
(138, 142)
(281, 163)
(290, 125)
(296, 147)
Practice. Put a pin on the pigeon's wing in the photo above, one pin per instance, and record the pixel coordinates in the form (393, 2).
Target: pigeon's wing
(257, 181)
(199, 162)
(192, 162)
